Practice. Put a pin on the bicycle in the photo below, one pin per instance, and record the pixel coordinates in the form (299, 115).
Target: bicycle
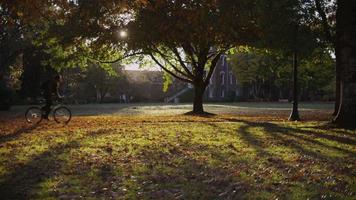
(60, 114)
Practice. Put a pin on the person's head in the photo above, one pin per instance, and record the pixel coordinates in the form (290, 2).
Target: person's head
(58, 78)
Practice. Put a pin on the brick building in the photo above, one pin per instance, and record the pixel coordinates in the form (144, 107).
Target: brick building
(223, 83)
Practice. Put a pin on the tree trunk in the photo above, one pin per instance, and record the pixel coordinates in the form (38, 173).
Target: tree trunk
(198, 99)
(346, 46)
(338, 71)
(294, 116)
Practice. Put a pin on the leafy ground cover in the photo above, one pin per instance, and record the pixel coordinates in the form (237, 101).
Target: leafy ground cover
(176, 157)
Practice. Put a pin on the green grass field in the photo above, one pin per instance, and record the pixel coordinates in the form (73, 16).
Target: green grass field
(176, 157)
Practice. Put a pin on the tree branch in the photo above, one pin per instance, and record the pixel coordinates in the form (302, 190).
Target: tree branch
(168, 71)
(175, 51)
(189, 50)
(116, 60)
(324, 21)
(171, 64)
(212, 68)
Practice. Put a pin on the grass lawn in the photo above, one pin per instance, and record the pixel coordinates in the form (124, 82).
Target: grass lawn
(159, 109)
(176, 157)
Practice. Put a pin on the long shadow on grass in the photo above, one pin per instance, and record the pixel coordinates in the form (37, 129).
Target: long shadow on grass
(278, 132)
(176, 173)
(24, 180)
(310, 136)
(153, 173)
(307, 157)
(164, 170)
(340, 139)
(172, 177)
(348, 132)
(17, 133)
(160, 170)
(278, 166)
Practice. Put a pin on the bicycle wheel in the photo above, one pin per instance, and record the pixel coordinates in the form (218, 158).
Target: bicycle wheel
(33, 115)
(62, 115)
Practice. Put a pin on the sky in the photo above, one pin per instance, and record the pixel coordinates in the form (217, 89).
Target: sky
(136, 66)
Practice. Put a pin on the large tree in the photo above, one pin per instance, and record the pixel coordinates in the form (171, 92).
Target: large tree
(186, 38)
(346, 58)
(14, 39)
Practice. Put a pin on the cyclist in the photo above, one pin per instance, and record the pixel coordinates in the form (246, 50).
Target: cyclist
(50, 89)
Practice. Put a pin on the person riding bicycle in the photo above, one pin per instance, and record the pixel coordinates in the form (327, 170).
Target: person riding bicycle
(50, 89)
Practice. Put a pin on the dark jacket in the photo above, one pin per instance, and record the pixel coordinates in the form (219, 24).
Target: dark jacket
(50, 88)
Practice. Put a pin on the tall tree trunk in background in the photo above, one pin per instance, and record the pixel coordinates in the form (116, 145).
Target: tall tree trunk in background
(346, 48)
(294, 116)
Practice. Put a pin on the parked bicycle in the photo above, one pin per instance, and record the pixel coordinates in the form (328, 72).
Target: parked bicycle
(59, 112)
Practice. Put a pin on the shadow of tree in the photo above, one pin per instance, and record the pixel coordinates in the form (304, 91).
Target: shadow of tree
(177, 174)
(346, 131)
(296, 139)
(343, 138)
(24, 180)
(164, 170)
(152, 173)
(298, 134)
(17, 133)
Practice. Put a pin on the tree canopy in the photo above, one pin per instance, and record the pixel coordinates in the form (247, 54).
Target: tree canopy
(185, 38)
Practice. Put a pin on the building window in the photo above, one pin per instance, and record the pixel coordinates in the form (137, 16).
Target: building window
(222, 93)
(222, 77)
(222, 61)
(230, 74)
